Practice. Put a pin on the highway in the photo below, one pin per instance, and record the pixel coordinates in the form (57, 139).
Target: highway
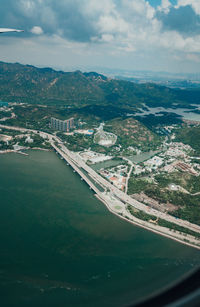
(123, 196)
(112, 194)
(73, 165)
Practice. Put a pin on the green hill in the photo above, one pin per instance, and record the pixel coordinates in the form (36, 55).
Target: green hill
(25, 83)
(189, 136)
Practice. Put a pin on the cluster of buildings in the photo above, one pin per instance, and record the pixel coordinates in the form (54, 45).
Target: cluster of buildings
(175, 157)
(181, 166)
(153, 163)
(134, 149)
(148, 166)
(62, 125)
(178, 149)
(9, 140)
(116, 176)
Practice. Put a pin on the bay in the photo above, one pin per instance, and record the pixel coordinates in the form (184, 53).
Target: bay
(186, 113)
(61, 247)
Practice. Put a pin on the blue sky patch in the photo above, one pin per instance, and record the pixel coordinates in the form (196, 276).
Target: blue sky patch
(156, 3)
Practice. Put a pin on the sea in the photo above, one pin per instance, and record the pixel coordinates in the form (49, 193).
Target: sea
(60, 246)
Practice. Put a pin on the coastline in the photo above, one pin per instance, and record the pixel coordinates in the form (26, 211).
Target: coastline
(21, 152)
(144, 225)
(164, 231)
(13, 151)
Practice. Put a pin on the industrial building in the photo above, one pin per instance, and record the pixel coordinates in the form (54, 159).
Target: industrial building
(62, 125)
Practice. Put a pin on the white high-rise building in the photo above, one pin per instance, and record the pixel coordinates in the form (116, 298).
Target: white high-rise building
(62, 125)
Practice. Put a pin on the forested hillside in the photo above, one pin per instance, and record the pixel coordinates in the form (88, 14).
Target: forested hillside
(25, 83)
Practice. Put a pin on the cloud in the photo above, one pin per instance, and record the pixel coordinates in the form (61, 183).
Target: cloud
(182, 19)
(128, 22)
(193, 57)
(193, 3)
(37, 30)
(165, 6)
(66, 18)
(107, 28)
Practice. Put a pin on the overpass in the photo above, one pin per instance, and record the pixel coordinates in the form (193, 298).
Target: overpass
(76, 168)
(76, 163)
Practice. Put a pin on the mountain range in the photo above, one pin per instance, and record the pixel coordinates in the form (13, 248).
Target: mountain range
(26, 83)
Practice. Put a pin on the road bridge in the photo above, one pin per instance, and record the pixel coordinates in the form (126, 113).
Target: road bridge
(77, 163)
(76, 168)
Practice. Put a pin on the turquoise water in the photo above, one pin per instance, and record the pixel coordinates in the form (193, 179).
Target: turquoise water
(61, 247)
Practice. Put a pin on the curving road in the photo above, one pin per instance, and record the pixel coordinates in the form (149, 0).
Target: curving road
(112, 194)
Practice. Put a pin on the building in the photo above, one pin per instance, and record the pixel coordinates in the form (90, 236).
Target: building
(62, 125)
(29, 140)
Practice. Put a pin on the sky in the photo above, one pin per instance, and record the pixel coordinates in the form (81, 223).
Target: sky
(157, 35)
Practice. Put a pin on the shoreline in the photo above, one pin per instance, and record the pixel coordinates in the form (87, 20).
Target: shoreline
(13, 151)
(146, 226)
(6, 151)
(160, 230)
(133, 221)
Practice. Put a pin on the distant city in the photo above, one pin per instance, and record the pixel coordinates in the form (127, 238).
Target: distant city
(173, 80)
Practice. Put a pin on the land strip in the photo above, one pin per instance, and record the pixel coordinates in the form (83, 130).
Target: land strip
(116, 200)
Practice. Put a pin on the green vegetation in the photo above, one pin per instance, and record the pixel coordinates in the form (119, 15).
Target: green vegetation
(152, 121)
(190, 211)
(76, 142)
(147, 217)
(5, 114)
(189, 205)
(47, 86)
(79, 142)
(137, 185)
(187, 181)
(141, 214)
(9, 132)
(178, 228)
(190, 136)
(38, 117)
(132, 133)
(4, 146)
(20, 139)
(33, 117)
(197, 161)
(92, 99)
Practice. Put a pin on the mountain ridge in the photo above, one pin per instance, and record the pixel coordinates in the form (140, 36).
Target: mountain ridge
(27, 83)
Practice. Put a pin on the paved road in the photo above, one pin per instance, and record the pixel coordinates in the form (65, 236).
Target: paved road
(76, 161)
(124, 197)
(129, 173)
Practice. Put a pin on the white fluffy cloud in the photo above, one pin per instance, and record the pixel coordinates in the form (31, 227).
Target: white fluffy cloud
(165, 6)
(37, 30)
(194, 3)
(121, 28)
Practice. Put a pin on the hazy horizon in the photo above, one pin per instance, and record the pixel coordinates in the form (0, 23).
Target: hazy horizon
(136, 35)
